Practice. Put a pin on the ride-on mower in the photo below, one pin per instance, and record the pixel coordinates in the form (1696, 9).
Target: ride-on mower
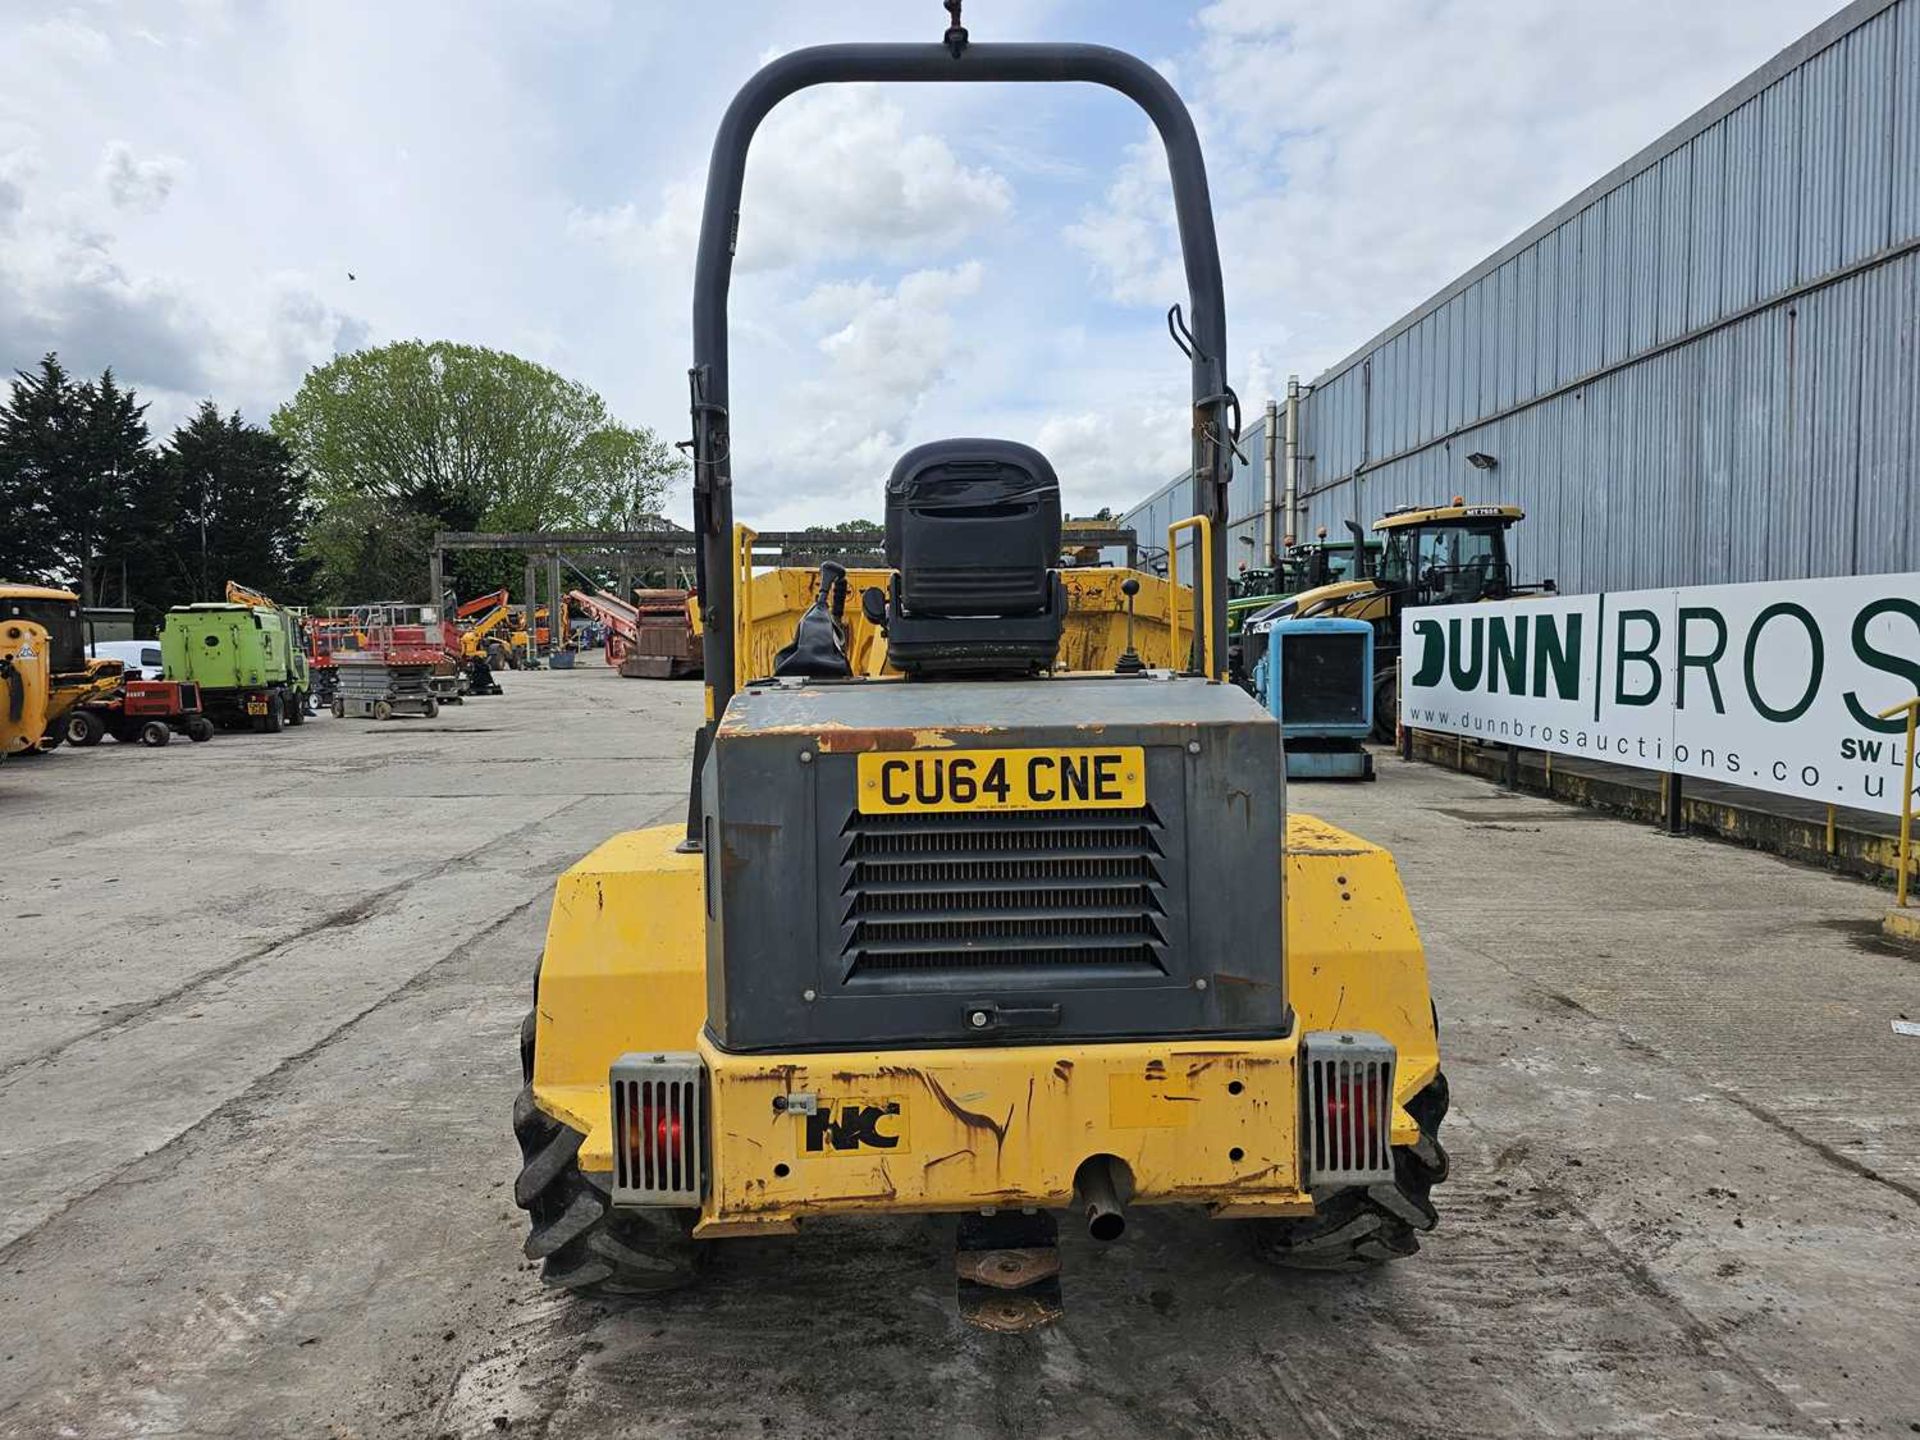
(979, 937)
(150, 711)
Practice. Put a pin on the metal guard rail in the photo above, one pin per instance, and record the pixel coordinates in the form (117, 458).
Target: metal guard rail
(1202, 601)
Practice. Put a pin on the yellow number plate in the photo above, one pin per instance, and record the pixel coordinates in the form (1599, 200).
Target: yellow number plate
(922, 782)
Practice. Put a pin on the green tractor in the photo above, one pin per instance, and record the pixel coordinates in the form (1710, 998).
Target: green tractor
(1300, 568)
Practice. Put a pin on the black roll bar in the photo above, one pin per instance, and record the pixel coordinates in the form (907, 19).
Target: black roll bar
(907, 63)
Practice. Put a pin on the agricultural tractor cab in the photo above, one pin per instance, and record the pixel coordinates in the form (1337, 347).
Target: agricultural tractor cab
(1452, 554)
(1254, 590)
(966, 933)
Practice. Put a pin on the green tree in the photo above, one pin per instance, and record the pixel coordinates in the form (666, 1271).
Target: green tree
(228, 503)
(36, 445)
(73, 458)
(417, 436)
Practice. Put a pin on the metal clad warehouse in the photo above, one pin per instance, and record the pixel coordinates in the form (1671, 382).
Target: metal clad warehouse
(1703, 369)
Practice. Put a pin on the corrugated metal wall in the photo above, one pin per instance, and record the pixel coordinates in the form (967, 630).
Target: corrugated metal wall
(1706, 368)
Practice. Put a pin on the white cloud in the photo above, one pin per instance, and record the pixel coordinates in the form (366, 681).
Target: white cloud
(880, 352)
(1498, 114)
(1118, 454)
(1129, 237)
(833, 175)
(66, 285)
(135, 184)
(70, 36)
(1363, 155)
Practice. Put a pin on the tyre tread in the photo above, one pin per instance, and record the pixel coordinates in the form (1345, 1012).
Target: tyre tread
(583, 1244)
(1354, 1230)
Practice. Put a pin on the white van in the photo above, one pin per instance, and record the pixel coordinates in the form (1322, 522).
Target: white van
(141, 657)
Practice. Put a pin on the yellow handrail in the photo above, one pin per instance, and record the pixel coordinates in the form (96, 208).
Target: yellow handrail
(1912, 709)
(743, 539)
(1202, 600)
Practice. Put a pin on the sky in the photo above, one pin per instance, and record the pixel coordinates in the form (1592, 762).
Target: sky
(211, 196)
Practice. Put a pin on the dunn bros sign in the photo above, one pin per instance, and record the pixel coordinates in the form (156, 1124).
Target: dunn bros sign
(1777, 686)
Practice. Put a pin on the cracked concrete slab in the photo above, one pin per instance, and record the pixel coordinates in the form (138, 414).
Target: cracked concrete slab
(259, 1164)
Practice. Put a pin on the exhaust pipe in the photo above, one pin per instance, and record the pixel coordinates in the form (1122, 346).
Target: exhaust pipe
(1096, 1191)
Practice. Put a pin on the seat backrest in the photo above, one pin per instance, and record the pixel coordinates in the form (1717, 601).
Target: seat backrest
(973, 527)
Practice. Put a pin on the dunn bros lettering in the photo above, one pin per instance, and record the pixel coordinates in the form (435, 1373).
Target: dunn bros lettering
(1499, 647)
(1540, 655)
(1779, 686)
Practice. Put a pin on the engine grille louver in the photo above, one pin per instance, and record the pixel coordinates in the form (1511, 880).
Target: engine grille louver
(966, 892)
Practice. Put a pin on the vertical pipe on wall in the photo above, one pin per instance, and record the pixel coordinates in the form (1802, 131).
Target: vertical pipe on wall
(1292, 527)
(1270, 528)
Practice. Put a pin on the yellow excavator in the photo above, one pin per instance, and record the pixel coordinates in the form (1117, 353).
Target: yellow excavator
(72, 677)
(487, 633)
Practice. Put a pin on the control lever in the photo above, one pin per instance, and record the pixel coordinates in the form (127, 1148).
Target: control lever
(1129, 662)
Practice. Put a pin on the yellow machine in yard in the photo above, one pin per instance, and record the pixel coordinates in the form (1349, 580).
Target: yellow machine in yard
(25, 676)
(1103, 618)
(963, 930)
(72, 677)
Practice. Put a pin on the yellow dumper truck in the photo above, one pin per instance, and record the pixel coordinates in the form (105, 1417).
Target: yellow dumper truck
(972, 933)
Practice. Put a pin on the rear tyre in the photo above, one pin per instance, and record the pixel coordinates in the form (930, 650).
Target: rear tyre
(1386, 705)
(581, 1242)
(199, 729)
(1358, 1229)
(276, 716)
(155, 733)
(85, 728)
(296, 709)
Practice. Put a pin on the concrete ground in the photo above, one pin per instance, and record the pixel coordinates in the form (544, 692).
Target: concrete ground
(259, 1002)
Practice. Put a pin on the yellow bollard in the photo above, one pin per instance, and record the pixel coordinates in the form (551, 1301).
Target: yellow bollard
(1912, 707)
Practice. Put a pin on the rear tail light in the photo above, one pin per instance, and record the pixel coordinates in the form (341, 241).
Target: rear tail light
(1347, 1108)
(659, 1130)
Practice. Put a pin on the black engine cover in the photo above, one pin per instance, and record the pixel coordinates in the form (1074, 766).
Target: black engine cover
(831, 925)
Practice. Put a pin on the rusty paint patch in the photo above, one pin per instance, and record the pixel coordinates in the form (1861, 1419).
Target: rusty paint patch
(942, 1159)
(857, 739)
(781, 1075)
(972, 1119)
(1063, 1069)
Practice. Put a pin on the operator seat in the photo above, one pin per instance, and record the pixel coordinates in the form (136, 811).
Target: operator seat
(973, 539)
